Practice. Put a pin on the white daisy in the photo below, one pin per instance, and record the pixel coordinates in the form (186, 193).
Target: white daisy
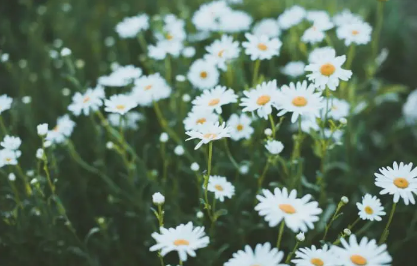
(203, 74)
(336, 135)
(8, 157)
(164, 48)
(363, 253)
(62, 130)
(220, 187)
(260, 99)
(291, 17)
(400, 181)
(293, 69)
(222, 51)
(130, 120)
(92, 99)
(197, 117)
(214, 99)
(268, 27)
(173, 30)
(346, 17)
(299, 99)
(263, 255)
(370, 208)
(316, 33)
(410, 108)
(274, 146)
(209, 132)
(261, 47)
(309, 124)
(207, 17)
(317, 16)
(5, 103)
(356, 33)
(315, 257)
(131, 26)
(298, 214)
(185, 239)
(11, 143)
(338, 108)
(149, 89)
(240, 127)
(235, 21)
(121, 76)
(318, 53)
(120, 104)
(327, 71)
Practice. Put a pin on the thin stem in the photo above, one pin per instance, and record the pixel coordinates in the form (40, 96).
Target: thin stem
(168, 69)
(378, 27)
(271, 119)
(292, 252)
(385, 233)
(206, 181)
(25, 180)
(262, 177)
(256, 72)
(280, 233)
(2, 126)
(339, 206)
(229, 154)
(16, 194)
(348, 65)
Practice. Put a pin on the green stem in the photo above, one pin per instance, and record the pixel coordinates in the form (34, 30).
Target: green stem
(168, 69)
(292, 252)
(2, 126)
(280, 233)
(206, 181)
(256, 72)
(339, 206)
(229, 154)
(262, 177)
(271, 119)
(25, 180)
(385, 233)
(378, 27)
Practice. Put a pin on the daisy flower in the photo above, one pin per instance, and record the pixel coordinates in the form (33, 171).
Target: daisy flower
(198, 117)
(410, 108)
(203, 74)
(363, 253)
(120, 104)
(240, 127)
(274, 146)
(185, 239)
(5, 103)
(222, 51)
(173, 30)
(8, 157)
(92, 99)
(262, 47)
(317, 16)
(207, 17)
(299, 99)
(309, 124)
(130, 120)
(316, 33)
(268, 27)
(149, 89)
(315, 257)
(318, 53)
(400, 181)
(298, 214)
(338, 108)
(213, 99)
(11, 143)
(327, 71)
(293, 69)
(356, 33)
(235, 21)
(263, 255)
(62, 130)
(164, 48)
(370, 208)
(346, 17)
(291, 17)
(208, 132)
(260, 99)
(130, 27)
(121, 76)
(220, 187)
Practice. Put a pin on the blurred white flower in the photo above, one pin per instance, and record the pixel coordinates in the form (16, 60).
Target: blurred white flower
(274, 146)
(131, 26)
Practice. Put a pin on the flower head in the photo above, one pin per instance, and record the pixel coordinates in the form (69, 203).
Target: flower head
(261, 47)
(209, 132)
(203, 74)
(274, 146)
(220, 187)
(263, 254)
(131, 26)
(198, 117)
(370, 208)
(91, 100)
(240, 127)
(62, 130)
(291, 17)
(149, 89)
(121, 76)
(214, 99)
(355, 33)
(5, 103)
(268, 27)
(261, 99)
(222, 51)
(11, 143)
(119, 104)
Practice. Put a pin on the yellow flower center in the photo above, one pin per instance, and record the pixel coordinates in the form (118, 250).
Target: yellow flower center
(369, 210)
(8, 159)
(169, 37)
(220, 54)
(214, 102)
(264, 99)
(203, 75)
(355, 32)
(401, 182)
(148, 87)
(317, 262)
(327, 69)
(262, 47)
(86, 99)
(181, 242)
(201, 121)
(287, 208)
(358, 260)
(56, 128)
(239, 127)
(218, 187)
(120, 107)
(210, 136)
(299, 101)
